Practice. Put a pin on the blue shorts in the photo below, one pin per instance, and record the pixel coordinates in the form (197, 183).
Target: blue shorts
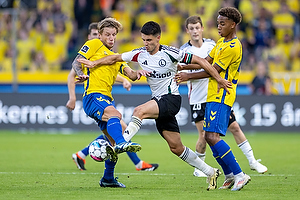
(94, 105)
(216, 117)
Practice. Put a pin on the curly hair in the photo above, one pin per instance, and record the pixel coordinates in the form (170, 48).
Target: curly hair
(231, 13)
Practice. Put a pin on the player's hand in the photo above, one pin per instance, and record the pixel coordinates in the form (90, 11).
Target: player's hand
(225, 84)
(141, 73)
(179, 67)
(87, 63)
(181, 77)
(126, 85)
(71, 104)
(81, 78)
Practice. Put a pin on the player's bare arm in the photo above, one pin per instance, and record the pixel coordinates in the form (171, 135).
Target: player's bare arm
(71, 89)
(222, 83)
(124, 81)
(135, 75)
(107, 60)
(78, 69)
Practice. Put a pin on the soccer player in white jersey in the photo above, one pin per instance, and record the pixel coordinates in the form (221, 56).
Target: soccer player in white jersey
(197, 94)
(162, 62)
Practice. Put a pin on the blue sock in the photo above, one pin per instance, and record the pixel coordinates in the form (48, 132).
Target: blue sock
(109, 170)
(227, 156)
(114, 129)
(225, 168)
(133, 157)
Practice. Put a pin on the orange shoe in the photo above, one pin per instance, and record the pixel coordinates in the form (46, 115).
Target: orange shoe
(147, 167)
(78, 161)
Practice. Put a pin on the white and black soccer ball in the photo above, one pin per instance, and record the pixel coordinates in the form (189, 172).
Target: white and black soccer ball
(97, 150)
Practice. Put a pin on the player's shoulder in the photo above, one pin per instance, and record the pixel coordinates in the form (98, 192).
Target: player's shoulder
(209, 41)
(234, 44)
(139, 49)
(94, 42)
(169, 49)
(185, 45)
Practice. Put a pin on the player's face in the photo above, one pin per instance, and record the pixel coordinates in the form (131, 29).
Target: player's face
(195, 31)
(151, 43)
(108, 37)
(225, 26)
(94, 34)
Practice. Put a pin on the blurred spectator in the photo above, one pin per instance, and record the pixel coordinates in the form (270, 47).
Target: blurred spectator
(283, 21)
(25, 46)
(6, 63)
(276, 58)
(148, 12)
(261, 84)
(38, 62)
(295, 56)
(53, 53)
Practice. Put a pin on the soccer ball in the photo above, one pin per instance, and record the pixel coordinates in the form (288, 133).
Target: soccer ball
(97, 150)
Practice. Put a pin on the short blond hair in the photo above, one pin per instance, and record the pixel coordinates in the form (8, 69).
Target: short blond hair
(109, 22)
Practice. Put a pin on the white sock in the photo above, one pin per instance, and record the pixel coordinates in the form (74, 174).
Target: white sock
(247, 150)
(139, 165)
(192, 159)
(81, 155)
(200, 155)
(132, 128)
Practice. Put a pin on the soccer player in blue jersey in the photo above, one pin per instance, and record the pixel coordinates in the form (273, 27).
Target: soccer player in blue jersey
(226, 57)
(79, 157)
(162, 61)
(98, 102)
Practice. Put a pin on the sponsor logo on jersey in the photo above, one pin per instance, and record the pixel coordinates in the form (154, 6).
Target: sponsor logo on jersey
(85, 49)
(154, 74)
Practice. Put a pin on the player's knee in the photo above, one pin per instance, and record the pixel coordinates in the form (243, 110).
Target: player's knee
(138, 112)
(211, 138)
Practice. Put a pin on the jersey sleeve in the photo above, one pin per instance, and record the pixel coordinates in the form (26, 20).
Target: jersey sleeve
(89, 48)
(130, 56)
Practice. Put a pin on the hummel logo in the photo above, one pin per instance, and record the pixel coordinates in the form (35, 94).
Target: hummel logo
(145, 62)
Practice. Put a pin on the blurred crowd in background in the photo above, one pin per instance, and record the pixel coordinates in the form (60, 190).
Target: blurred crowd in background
(50, 33)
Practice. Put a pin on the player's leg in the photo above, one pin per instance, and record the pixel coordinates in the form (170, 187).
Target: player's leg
(190, 157)
(101, 108)
(140, 165)
(214, 116)
(108, 179)
(200, 147)
(197, 115)
(148, 110)
(244, 145)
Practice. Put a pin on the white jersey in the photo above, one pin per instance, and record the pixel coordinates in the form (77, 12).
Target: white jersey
(197, 88)
(162, 65)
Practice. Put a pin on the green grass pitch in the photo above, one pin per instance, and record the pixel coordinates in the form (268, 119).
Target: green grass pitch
(39, 166)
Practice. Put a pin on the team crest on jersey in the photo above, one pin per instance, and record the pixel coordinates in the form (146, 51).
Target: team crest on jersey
(162, 63)
(85, 49)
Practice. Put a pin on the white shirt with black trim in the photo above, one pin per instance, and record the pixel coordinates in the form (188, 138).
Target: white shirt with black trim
(197, 88)
(162, 65)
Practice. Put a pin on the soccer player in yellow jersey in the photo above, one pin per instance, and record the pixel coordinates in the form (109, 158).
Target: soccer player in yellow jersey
(79, 157)
(98, 102)
(226, 57)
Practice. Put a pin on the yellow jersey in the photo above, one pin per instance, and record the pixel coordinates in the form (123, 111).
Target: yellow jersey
(228, 56)
(101, 78)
